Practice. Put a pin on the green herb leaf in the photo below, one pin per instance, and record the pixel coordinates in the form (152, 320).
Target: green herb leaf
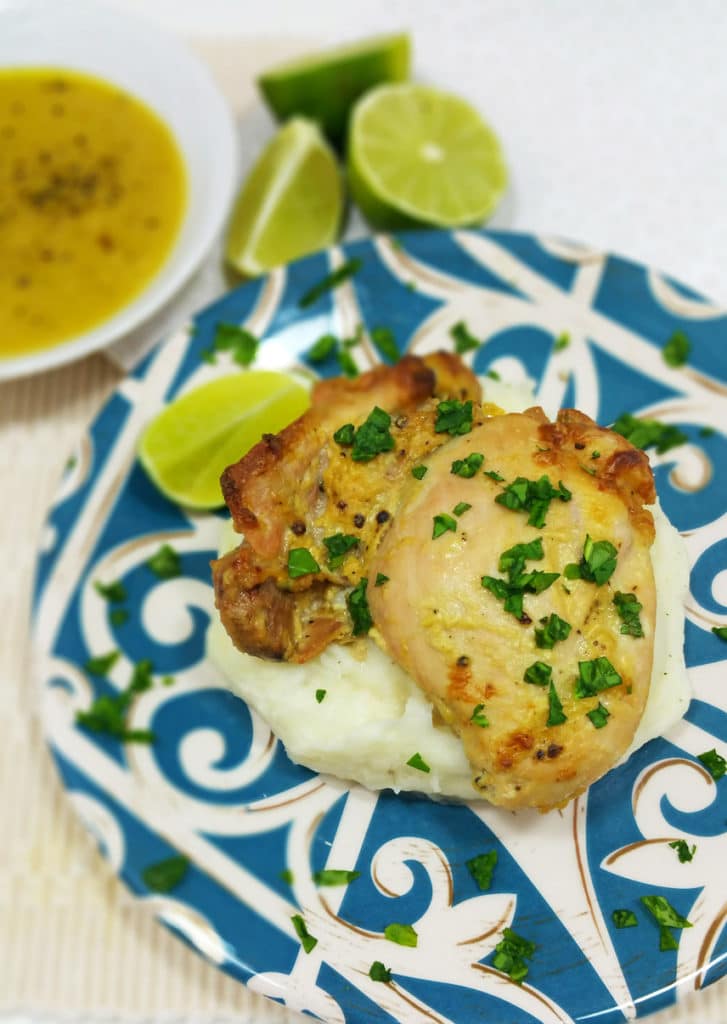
(707, 432)
(380, 579)
(479, 717)
(595, 455)
(684, 853)
(141, 677)
(597, 565)
(453, 418)
(419, 472)
(628, 607)
(241, 343)
(663, 912)
(373, 436)
(166, 563)
(720, 632)
(347, 363)
(377, 972)
(461, 508)
(552, 632)
(384, 340)
(168, 680)
(320, 695)
(307, 941)
(555, 708)
(287, 876)
(330, 281)
(463, 340)
(101, 664)
(358, 609)
(533, 497)
(338, 545)
(677, 349)
(334, 876)
(418, 762)
(714, 763)
(599, 716)
(118, 616)
(345, 435)
(643, 433)
(666, 940)
(301, 563)
(539, 673)
(166, 874)
(401, 934)
(513, 560)
(594, 676)
(493, 375)
(107, 714)
(511, 953)
(321, 349)
(481, 868)
(113, 592)
(443, 523)
(561, 342)
(469, 466)
(624, 918)
(493, 475)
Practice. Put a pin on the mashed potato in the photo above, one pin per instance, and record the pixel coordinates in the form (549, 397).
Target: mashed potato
(373, 717)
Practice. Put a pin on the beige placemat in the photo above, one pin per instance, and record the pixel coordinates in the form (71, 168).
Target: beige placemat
(73, 944)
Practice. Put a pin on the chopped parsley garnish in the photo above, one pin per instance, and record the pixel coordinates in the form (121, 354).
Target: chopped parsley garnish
(552, 630)
(380, 579)
(511, 953)
(320, 695)
(599, 716)
(468, 466)
(347, 363)
(167, 874)
(519, 582)
(358, 608)
(419, 472)
(286, 875)
(493, 375)
(666, 917)
(115, 592)
(707, 432)
(684, 852)
(677, 349)
(463, 340)
(594, 676)
(720, 632)
(108, 713)
(595, 454)
(481, 868)
(141, 677)
(513, 560)
(334, 876)
(324, 347)
(418, 762)
(235, 339)
(479, 717)
(561, 342)
(539, 673)
(461, 507)
(453, 418)
(383, 338)
(666, 940)
(345, 435)
(330, 281)
(301, 563)
(401, 934)
(371, 438)
(168, 680)
(101, 664)
(118, 616)
(714, 763)
(597, 564)
(493, 475)
(555, 708)
(532, 497)
(166, 563)
(307, 941)
(628, 607)
(377, 972)
(624, 918)
(443, 523)
(643, 433)
(338, 547)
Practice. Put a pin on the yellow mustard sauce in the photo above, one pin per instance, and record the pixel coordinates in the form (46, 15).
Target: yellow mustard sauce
(92, 193)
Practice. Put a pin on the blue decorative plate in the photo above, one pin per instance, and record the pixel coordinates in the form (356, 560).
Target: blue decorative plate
(217, 787)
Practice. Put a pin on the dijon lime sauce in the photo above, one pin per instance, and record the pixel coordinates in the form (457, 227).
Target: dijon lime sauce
(92, 195)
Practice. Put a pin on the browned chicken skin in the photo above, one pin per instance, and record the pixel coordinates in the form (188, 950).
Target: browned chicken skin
(434, 615)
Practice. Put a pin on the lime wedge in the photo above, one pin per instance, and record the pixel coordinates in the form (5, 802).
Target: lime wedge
(291, 203)
(418, 156)
(188, 445)
(325, 86)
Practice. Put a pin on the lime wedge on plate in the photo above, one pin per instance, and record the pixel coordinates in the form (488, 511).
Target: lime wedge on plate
(418, 156)
(188, 445)
(290, 204)
(324, 86)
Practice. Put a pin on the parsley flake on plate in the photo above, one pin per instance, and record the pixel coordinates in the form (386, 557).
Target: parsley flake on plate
(345, 435)
(338, 546)
(594, 676)
(418, 762)
(330, 281)
(358, 608)
(321, 695)
(597, 564)
(479, 717)
(463, 340)
(334, 876)
(114, 592)
(469, 466)
(384, 340)
(419, 471)
(454, 417)
(684, 852)
(373, 436)
(307, 941)
(118, 616)
(533, 497)
(381, 579)
(166, 874)
(494, 475)
(377, 972)
(677, 349)
(166, 563)
(624, 918)
(442, 523)
(301, 563)
(481, 868)
(643, 433)
(555, 708)
(628, 607)
(561, 342)
(101, 664)
(347, 363)
(511, 953)
(241, 343)
(539, 673)
(664, 913)
(401, 934)
(714, 763)
(286, 875)
(599, 716)
(461, 508)
(552, 630)
(321, 349)
(720, 632)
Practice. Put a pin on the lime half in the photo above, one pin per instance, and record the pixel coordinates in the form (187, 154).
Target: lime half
(418, 156)
(188, 445)
(325, 86)
(290, 204)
